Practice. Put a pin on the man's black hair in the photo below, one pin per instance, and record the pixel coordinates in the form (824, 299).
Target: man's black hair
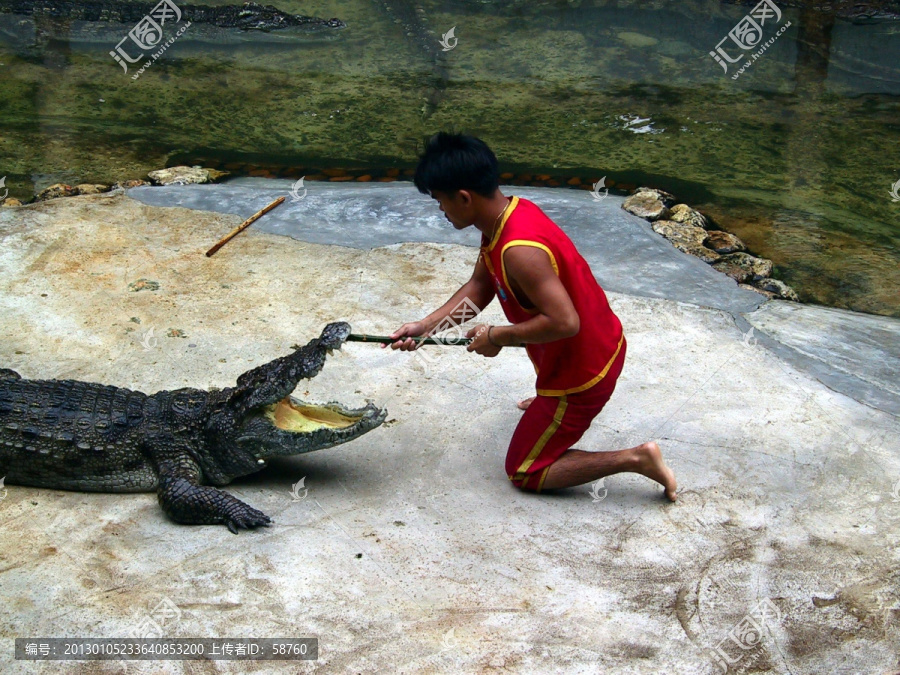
(454, 162)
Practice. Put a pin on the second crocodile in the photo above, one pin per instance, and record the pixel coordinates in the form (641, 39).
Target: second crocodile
(249, 16)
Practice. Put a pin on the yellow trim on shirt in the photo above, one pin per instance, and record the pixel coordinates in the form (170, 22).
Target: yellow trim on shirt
(507, 212)
(524, 242)
(488, 263)
(589, 383)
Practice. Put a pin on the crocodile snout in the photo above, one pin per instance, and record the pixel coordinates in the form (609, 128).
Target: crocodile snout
(334, 334)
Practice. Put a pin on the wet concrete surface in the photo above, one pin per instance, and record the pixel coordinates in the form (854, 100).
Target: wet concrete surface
(411, 552)
(625, 254)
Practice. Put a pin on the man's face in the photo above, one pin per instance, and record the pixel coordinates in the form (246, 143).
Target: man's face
(456, 207)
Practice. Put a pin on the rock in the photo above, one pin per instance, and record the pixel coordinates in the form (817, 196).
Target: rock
(90, 189)
(779, 288)
(732, 269)
(682, 213)
(646, 205)
(743, 267)
(768, 294)
(705, 254)
(54, 192)
(686, 238)
(184, 175)
(636, 40)
(122, 185)
(143, 285)
(687, 235)
(663, 196)
(10, 201)
(760, 267)
(215, 174)
(723, 242)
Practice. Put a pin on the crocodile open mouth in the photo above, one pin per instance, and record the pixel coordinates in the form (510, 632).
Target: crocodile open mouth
(290, 414)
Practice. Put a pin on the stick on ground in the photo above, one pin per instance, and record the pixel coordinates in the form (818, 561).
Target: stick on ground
(243, 226)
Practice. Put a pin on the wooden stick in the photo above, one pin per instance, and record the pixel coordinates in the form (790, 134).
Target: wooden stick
(386, 340)
(243, 226)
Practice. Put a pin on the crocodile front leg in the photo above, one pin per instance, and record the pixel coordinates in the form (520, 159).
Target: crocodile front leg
(186, 501)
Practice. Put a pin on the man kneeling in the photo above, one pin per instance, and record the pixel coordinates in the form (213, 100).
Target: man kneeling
(556, 308)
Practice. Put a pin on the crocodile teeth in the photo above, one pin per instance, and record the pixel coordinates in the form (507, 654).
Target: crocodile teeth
(330, 351)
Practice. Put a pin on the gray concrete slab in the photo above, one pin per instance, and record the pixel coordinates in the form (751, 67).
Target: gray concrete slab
(838, 337)
(857, 354)
(626, 255)
(411, 552)
(623, 251)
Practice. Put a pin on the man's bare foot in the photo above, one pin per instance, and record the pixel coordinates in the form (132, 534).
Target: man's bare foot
(524, 403)
(652, 466)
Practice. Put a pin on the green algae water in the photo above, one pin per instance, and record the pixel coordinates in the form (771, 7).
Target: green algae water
(797, 154)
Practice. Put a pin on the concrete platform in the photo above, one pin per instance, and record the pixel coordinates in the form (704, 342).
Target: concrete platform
(625, 254)
(411, 552)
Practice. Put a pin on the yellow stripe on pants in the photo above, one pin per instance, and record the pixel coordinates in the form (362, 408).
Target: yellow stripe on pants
(542, 441)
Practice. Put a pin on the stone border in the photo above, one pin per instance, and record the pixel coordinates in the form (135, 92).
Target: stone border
(176, 175)
(688, 231)
(216, 170)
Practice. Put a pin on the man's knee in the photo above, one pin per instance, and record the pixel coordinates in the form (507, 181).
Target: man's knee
(529, 482)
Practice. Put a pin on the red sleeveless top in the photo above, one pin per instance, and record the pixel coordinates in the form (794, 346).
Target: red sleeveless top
(572, 364)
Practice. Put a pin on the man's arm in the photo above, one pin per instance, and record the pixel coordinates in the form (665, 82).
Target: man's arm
(530, 269)
(479, 290)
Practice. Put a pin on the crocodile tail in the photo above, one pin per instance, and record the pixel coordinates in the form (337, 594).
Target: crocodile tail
(7, 374)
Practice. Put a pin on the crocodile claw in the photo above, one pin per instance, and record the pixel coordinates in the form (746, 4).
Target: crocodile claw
(249, 518)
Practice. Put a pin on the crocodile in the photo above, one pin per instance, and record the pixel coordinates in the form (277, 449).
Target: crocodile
(249, 16)
(413, 23)
(854, 11)
(53, 25)
(74, 435)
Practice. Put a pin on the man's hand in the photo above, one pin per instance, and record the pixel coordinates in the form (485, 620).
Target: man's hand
(480, 344)
(405, 333)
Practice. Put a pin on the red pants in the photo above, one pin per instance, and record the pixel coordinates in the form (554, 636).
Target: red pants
(552, 425)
